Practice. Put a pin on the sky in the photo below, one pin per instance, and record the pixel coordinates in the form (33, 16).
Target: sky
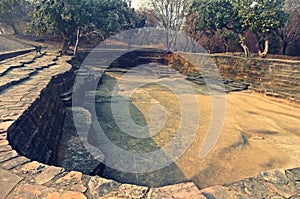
(136, 3)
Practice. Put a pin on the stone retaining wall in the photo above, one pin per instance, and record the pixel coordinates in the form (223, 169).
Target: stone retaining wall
(36, 134)
(276, 78)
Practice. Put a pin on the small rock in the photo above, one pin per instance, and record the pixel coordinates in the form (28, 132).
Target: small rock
(5, 148)
(5, 125)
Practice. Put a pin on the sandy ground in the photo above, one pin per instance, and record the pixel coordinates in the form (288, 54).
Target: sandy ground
(258, 133)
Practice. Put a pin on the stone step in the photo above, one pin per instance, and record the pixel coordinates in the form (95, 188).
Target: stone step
(11, 63)
(17, 58)
(284, 83)
(66, 97)
(288, 77)
(16, 75)
(22, 63)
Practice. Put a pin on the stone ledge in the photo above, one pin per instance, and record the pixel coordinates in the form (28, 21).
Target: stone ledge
(10, 54)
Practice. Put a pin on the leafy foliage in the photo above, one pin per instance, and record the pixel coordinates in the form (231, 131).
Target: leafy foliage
(5, 4)
(66, 17)
(263, 17)
(217, 15)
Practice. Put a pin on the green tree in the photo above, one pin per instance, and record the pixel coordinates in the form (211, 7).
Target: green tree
(5, 4)
(215, 15)
(263, 18)
(70, 17)
(62, 17)
(227, 36)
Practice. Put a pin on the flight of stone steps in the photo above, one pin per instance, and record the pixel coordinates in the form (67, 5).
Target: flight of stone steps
(281, 81)
(22, 77)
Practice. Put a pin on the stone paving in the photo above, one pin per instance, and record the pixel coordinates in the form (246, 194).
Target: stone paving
(22, 79)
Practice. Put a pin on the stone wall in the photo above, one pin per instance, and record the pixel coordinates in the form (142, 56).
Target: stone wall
(276, 78)
(36, 134)
(272, 77)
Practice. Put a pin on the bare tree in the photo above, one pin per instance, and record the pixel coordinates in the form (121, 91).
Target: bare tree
(170, 15)
(13, 11)
(291, 31)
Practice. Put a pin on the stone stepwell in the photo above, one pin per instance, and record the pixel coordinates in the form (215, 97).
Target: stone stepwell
(31, 120)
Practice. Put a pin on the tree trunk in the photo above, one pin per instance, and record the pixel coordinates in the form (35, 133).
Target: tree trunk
(15, 31)
(77, 41)
(266, 50)
(284, 47)
(226, 47)
(65, 47)
(244, 46)
(168, 40)
(175, 41)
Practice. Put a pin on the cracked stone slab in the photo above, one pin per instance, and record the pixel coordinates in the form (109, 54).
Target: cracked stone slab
(219, 192)
(14, 162)
(275, 177)
(28, 191)
(48, 174)
(4, 125)
(131, 191)
(4, 142)
(250, 187)
(5, 148)
(7, 182)
(278, 182)
(72, 181)
(7, 155)
(293, 174)
(178, 191)
(31, 168)
(100, 187)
